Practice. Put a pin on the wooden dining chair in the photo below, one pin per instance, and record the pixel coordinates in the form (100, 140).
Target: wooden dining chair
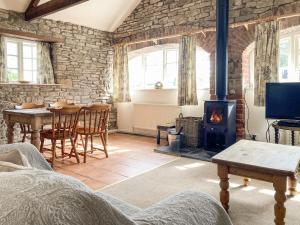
(63, 127)
(94, 123)
(25, 128)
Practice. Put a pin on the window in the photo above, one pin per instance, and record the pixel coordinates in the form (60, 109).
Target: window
(203, 69)
(150, 65)
(160, 63)
(286, 72)
(289, 57)
(21, 60)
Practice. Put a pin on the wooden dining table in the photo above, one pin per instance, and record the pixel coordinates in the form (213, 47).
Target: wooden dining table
(36, 118)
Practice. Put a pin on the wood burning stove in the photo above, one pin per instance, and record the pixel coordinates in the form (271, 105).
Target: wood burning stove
(219, 125)
(220, 115)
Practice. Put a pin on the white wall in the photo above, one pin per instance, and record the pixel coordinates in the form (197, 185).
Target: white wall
(257, 122)
(150, 108)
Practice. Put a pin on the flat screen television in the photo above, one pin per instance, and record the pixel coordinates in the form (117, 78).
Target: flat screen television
(283, 101)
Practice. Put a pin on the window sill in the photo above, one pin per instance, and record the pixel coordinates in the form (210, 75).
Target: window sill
(19, 84)
(169, 89)
(163, 89)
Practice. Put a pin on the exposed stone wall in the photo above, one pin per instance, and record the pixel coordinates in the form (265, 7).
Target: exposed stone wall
(82, 65)
(163, 17)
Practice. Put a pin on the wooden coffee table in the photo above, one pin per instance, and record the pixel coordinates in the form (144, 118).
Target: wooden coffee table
(273, 163)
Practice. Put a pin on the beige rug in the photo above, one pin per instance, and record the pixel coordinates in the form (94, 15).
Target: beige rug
(249, 206)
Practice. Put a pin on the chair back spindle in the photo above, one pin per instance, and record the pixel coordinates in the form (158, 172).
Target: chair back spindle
(95, 118)
(64, 121)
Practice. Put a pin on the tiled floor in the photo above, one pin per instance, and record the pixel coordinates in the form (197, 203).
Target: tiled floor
(129, 155)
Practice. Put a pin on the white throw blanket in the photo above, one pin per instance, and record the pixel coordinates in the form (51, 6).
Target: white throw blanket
(39, 196)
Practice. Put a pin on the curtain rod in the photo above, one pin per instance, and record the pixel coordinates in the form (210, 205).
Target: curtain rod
(210, 29)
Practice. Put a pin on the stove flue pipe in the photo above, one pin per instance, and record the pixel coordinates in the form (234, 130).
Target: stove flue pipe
(222, 49)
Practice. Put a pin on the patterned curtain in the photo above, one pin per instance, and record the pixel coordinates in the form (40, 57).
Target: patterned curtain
(3, 78)
(46, 75)
(121, 91)
(266, 59)
(187, 90)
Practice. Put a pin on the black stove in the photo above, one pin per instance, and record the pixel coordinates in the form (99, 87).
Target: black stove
(219, 125)
(220, 115)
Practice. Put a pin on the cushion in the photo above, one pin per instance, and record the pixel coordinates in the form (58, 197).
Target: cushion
(15, 157)
(10, 167)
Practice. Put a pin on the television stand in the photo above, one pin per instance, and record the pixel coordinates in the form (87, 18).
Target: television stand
(284, 125)
(289, 123)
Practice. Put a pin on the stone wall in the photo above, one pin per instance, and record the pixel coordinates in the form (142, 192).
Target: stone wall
(154, 18)
(82, 65)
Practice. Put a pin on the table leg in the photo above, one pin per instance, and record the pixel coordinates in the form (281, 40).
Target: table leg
(224, 185)
(158, 137)
(36, 127)
(280, 183)
(247, 181)
(293, 138)
(276, 135)
(10, 131)
(292, 181)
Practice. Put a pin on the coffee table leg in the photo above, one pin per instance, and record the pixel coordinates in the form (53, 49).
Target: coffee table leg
(224, 185)
(292, 185)
(280, 183)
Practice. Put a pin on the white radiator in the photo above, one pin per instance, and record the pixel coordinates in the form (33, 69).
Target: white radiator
(143, 118)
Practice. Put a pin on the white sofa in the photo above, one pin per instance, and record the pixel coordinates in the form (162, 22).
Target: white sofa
(40, 196)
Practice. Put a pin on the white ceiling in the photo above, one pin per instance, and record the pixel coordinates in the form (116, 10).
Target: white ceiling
(104, 15)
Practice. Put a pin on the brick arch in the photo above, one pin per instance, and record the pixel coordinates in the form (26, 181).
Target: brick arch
(207, 41)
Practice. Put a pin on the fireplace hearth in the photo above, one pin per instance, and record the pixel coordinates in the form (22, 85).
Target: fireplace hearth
(219, 125)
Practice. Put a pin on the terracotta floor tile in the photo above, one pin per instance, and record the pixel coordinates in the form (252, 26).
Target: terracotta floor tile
(129, 155)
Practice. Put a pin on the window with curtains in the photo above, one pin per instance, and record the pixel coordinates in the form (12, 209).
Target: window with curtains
(21, 60)
(149, 65)
(289, 58)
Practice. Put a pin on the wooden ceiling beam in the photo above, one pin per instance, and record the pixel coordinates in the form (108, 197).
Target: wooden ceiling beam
(35, 11)
(32, 4)
(29, 36)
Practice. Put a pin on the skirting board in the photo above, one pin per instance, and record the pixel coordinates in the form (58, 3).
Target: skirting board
(143, 132)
